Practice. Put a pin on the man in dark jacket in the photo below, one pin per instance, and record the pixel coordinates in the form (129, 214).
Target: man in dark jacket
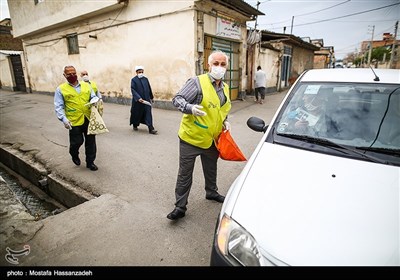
(142, 97)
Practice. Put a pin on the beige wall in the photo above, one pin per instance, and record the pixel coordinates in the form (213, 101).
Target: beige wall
(52, 14)
(163, 46)
(302, 59)
(269, 62)
(6, 76)
(160, 35)
(7, 80)
(320, 61)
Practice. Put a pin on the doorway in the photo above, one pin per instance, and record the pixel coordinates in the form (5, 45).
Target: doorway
(286, 65)
(232, 76)
(18, 73)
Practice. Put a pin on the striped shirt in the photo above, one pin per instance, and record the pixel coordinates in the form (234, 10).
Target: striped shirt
(191, 94)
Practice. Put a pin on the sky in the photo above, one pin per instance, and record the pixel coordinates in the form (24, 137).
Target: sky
(330, 20)
(4, 10)
(343, 24)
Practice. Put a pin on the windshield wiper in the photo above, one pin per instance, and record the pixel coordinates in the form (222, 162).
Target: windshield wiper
(395, 152)
(328, 143)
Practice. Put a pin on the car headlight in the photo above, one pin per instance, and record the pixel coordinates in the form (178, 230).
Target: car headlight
(234, 241)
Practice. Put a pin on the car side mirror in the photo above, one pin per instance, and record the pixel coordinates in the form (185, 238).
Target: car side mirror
(257, 124)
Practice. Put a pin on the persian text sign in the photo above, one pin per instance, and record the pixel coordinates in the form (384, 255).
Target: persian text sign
(228, 29)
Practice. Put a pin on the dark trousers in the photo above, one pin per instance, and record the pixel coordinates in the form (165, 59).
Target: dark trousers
(78, 135)
(261, 91)
(187, 157)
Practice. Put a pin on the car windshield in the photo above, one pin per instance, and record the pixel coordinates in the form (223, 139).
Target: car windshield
(363, 116)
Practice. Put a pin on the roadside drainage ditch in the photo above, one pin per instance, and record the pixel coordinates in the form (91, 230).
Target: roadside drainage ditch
(37, 203)
(43, 194)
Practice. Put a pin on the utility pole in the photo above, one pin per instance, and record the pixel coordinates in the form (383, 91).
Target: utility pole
(391, 64)
(370, 46)
(258, 4)
(291, 26)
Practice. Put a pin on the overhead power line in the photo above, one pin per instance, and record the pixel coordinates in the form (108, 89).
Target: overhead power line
(349, 15)
(354, 14)
(323, 9)
(312, 12)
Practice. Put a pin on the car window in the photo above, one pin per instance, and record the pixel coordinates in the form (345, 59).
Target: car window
(357, 115)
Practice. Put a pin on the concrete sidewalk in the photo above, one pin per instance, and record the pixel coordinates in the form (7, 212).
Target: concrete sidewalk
(126, 224)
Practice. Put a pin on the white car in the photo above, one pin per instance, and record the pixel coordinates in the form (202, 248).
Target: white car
(322, 188)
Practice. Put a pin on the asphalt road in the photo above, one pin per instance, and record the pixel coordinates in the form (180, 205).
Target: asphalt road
(126, 225)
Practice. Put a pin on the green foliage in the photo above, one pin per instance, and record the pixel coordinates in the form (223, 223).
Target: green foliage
(357, 61)
(379, 53)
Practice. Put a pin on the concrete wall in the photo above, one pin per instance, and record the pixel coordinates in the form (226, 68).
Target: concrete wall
(320, 62)
(163, 36)
(52, 14)
(7, 79)
(6, 75)
(148, 37)
(302, 59)
(269, 62)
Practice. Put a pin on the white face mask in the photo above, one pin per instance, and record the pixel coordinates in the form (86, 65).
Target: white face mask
(217, 72)
(85, 78)
(141, 75)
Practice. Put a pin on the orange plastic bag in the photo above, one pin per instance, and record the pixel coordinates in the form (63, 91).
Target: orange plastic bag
(228, 149)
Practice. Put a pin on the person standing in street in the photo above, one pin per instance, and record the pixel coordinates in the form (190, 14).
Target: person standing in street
(142, 98)
(93, 84)
(70, 102)
(260, 83)
(205, 104)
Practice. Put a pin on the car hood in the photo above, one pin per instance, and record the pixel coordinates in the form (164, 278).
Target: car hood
(306, 208)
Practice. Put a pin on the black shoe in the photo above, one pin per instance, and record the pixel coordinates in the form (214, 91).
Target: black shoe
(176, 214)
(218, 198)
(135, 128)
(77, 161)
(92, 166)
(153, 131)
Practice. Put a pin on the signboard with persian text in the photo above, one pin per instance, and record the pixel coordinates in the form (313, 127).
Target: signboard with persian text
(228, 29)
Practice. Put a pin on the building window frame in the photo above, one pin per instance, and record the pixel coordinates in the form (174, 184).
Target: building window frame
(72, 42)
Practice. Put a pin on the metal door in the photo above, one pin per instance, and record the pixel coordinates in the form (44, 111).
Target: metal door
(286, 65)
(18, 73)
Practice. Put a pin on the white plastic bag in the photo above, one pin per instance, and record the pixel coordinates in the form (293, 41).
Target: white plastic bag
(96, 122)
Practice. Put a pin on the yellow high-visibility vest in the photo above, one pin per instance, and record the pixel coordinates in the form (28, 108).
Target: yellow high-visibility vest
(74, 102)
(202, 131)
